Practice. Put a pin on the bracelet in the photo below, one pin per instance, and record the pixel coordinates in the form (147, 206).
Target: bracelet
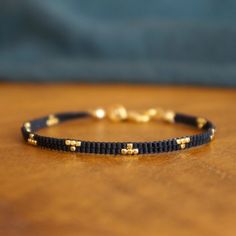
(117, 114)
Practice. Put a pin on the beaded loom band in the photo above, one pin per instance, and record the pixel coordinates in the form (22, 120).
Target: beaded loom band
(117, 114)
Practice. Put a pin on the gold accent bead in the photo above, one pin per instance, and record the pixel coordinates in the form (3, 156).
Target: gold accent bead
(135, 151)
(73, 148)
(72, 143)
(187, 139)
(201, 122)
(169, 116)
(27, 125)
(182, 142)
(31, 140)
(179, 141)
(212, 133)
(52, 120)
(78, 144)
(123, 151)
(129, 146)
(129, 150)
(67, 142)
(99, 113)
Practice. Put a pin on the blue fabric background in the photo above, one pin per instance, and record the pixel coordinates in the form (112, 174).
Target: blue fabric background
(164, 41)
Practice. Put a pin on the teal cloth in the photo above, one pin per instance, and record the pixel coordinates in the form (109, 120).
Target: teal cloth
(157, 41)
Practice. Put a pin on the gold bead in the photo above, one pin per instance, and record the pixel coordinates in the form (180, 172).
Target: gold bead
(67, 142)
(135, 151)
(73, 148)
(212, 133)
(99, 113)
(201, 122)
(78, 144)
(31, 140)
(169, 116)
(178, 141)
(129, 146)
(72, 143)
(52, 120)
(27, 125)
(123, 151)
(182, 142)
(187, 139)
(129, 152)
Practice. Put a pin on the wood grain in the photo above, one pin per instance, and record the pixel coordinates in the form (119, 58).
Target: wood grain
(50, 193)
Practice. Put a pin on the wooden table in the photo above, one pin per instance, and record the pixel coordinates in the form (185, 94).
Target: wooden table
(44, 192)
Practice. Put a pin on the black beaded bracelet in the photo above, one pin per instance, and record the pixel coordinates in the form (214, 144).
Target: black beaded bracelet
(119, 113)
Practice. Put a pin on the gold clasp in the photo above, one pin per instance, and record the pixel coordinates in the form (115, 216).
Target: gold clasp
(119, 113)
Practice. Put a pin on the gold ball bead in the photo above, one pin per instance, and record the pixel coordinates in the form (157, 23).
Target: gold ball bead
(123, 151)
(169, 116)
(78, 144)
(130, 152)
(135, 151)
(73, 143)
(178, 141)
(129, 146)
(67, 142)
(99, 113)
(27, 125)
(73, 148)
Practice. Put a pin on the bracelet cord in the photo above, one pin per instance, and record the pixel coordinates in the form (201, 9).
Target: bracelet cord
(30, 128)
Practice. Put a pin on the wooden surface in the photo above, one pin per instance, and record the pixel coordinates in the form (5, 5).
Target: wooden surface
(44, 192)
